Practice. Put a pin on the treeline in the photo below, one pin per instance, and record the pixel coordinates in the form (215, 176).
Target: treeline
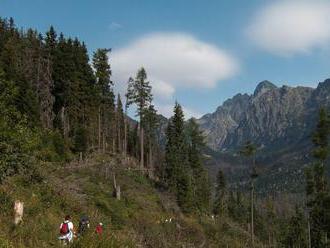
(308, 225)
(184, 171)
(59, 104)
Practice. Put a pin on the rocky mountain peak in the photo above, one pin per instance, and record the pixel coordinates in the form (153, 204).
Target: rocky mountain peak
(274, 116)
(263, 87)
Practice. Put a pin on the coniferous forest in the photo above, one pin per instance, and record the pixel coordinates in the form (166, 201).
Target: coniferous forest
(68, 146)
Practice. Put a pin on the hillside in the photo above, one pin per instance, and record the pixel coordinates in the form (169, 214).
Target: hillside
(66, 143)
(280, 121)
(137, 220)
(273, 117)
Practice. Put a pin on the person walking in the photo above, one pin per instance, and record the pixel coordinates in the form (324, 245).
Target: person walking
(99, 229)
(66, 230)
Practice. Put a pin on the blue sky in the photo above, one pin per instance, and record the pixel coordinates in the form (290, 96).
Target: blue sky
(197, 52)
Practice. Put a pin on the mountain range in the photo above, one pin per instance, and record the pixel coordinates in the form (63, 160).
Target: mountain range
(278, 120)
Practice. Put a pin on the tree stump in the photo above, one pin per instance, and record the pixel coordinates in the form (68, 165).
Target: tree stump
(116, 188)
(118, 192)
(18, 212)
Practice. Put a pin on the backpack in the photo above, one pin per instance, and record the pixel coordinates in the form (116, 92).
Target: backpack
(83, 225)
(64, 228)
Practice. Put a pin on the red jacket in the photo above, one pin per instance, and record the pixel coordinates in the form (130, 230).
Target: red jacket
(99, 229)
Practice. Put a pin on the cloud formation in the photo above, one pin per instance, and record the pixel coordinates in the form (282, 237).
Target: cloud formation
(167, 111)
(115, 26)
(287, 28)
(173, 60)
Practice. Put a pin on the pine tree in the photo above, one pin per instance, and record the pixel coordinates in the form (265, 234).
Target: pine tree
(316, 185)
(105, 93)
(249, 150)
(142, 97)
(175, 154)
(120, 125)
(80, 140)
(44, 80)
(220, 194)
(296, 231)
(200, 182)
(150, 126)
(129, 101)
(178, 173)
(51, 42)
(133, 141)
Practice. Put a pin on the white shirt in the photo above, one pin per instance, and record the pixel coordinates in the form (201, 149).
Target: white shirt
(70, 225)
(68, 236)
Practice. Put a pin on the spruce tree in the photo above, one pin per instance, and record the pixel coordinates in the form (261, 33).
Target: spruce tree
(44, 79)
(120, 118)
(128, 102)
(220, 194)
(105, 94)
(295, 235)
(141, 95)
(316, 185)
(178, 173)
(249, 151)
(150, 126)
(200, 181)
(176, 149)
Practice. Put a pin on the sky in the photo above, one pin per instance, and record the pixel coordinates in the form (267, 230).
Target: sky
(196, 52)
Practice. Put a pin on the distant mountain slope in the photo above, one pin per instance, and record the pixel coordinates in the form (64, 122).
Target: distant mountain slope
(271, 117)
(280, 121)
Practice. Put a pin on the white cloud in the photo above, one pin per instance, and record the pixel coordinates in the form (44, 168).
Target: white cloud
(167, 111)
(163, 90)
(115, 26)
(173, 60)
(290, 27)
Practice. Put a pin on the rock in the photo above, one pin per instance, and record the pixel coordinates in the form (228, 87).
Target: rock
(272, 117)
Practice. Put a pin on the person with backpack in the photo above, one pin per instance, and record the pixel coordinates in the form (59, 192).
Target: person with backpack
(99, 229)
(83, 225)
(66, 230)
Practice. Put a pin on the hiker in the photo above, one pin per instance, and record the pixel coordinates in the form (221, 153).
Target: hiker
(99, 229)
(66, 230)
(83, 225)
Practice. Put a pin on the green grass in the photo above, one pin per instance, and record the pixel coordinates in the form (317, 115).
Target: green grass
(137, 220)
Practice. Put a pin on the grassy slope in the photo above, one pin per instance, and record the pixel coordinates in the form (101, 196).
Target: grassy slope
(137, 220)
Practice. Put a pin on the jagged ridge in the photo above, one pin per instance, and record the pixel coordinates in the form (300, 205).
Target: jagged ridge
(272, 117)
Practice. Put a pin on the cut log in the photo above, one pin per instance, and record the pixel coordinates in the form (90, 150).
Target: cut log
(116, 188)
(18, 212)
(118, 193)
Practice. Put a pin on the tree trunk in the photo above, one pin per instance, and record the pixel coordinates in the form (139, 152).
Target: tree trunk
(103, 141)
(99, 128)
(309, 233)
(116, 188)
(118, 193)
(104, 133)
(63, 120)
(252, 224)
(18, 212)
(151, 164)
(142, 147)
(119, 136)
(125, 137)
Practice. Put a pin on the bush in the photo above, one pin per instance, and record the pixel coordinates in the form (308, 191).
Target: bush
(4, 243)
(6, 203)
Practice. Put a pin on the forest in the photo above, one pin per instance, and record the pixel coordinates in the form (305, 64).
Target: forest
(58, 107)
